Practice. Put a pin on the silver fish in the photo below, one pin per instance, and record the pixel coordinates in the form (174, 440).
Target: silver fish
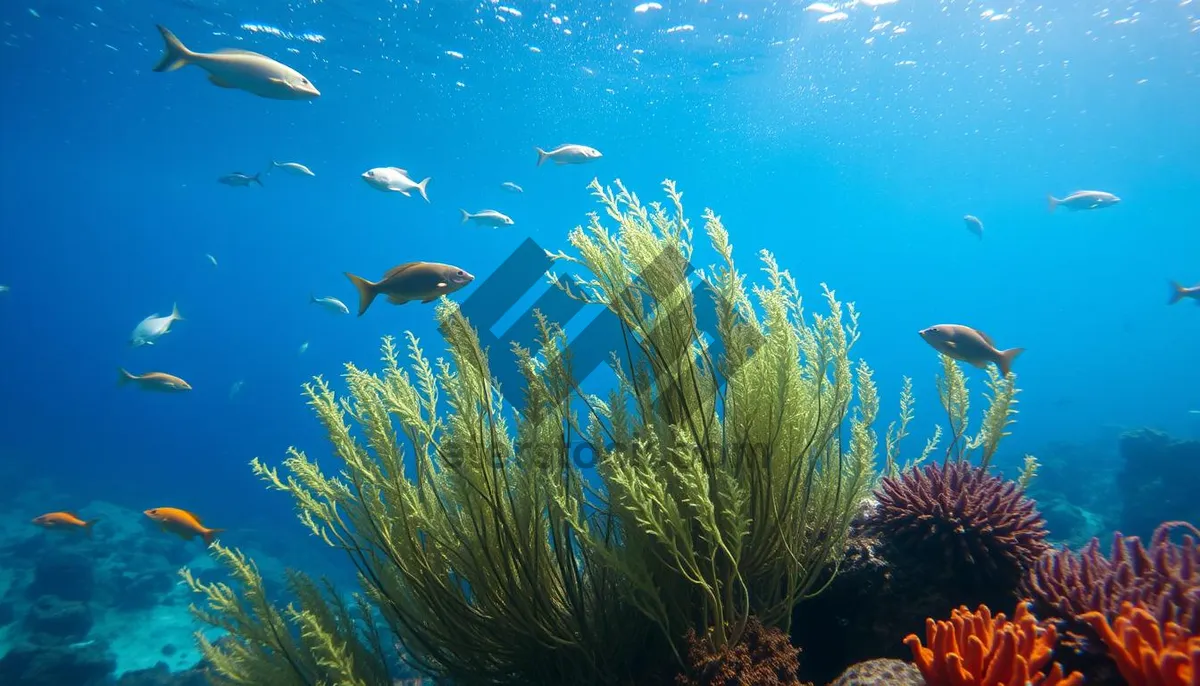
(512, 187)
(153, 327)
(331, 304)
(294, 168)
(240, 69)
(394, 179)
(487, 218)
(239, 180)
(1084, 200)
(569, 154)
(974, 225)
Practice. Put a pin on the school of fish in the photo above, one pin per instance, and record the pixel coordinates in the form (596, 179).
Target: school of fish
(424, 282)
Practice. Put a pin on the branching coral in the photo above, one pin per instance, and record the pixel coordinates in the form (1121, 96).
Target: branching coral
(977, 649)
(731, 462)
(1163, 578)
(1147, 651)
(973, 523)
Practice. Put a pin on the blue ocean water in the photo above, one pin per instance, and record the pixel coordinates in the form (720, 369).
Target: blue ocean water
(848, 142)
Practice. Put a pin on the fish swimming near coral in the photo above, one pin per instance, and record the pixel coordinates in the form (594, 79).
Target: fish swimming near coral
(568, 154)
(490, 218)
(423, 281)
(154, 381)
(1084, 200)
(65, 521)
(969, 345)
(182, 523)
(240, 180)
(154, 327)
(238, 69)
(1179, 292)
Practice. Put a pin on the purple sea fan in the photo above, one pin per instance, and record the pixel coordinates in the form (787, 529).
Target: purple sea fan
(981, 527)
(1163, 578)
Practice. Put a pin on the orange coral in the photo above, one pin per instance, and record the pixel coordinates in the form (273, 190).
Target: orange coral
(975, 649)
(1146, 653)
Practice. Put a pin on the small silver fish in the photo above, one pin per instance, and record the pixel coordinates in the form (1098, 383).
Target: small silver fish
(487, 218)
(512, 187)
(394, 179)
(568, 154)
(4, 289)
(974, 225)
(236, 388)
(1084, 200)
(331, 304)
(303, 348)
(238, 179)
(293, 168)
(153, 327)
(211, 259)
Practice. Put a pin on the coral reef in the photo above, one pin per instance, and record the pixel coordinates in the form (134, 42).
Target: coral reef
(763, 657)
(1148, 652)
(880, 672)
(1163, 579)
(1157, 482)
(977, 649)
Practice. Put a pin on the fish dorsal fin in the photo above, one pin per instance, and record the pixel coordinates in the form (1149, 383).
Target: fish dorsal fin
(399, 269)
(236, 51)
(398, 169)
(986, 338)
(192, 515)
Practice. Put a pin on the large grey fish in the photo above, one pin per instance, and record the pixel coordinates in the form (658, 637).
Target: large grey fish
(969, 345)
(423, 281)
(1084, 200)
(240, 180)
(240, 69)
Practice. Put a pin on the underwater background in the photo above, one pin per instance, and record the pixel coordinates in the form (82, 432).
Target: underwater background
(850, 147)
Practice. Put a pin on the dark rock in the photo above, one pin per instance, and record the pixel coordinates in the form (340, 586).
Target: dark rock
(57, 665)
(161, 675)
(169, 649)
(64, 574)
(7, 613)
(55, 620)
(1157, 482)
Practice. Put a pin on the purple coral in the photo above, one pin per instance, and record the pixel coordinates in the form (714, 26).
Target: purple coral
(1163, 578)
(980, 525)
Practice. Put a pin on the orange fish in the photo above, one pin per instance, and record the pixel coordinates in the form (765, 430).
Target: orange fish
(969, 345)
(1179, 292)
(65, 521)
(181, 523)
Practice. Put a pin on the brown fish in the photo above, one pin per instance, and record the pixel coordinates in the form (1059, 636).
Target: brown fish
(154, 381)
(181, 523)
(1179, 292)
(969, 345)
(65, 521)
(423, 281)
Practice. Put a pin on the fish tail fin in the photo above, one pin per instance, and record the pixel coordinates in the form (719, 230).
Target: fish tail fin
(175, 53)
(256, 178)
(175, 313)
(366, 292)
(1052, 201)
(1177, 292)
(123, 376)
(542, 156)
(466, 216)
(312, 298)
(87, 526)
(421, 188)
(1006, 359)
(210, 535)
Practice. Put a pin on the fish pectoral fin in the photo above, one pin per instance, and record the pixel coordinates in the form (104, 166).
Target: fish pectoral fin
(212, 78)
(950, 346)
(402, 192)
(442, 284)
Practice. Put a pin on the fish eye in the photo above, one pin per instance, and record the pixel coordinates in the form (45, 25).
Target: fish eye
(154, 511)
(460, 272)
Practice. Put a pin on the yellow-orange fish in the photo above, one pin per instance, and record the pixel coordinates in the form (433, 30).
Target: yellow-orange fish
(181, 523)
(969, 345)
(65, 521)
